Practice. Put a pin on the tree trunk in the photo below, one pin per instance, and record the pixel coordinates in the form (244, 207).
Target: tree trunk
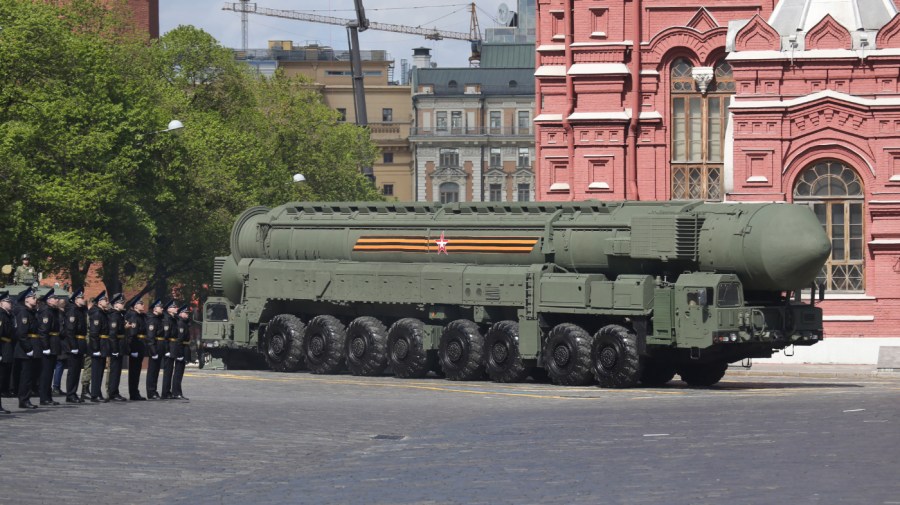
(111, 278)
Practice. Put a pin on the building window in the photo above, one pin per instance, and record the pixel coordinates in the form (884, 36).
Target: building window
(496, 121)
(452, 85)
(698, 131)
(524, 160)
(495, 193)
(387, 158)
(440, 118)
(835, 193)
(449, 158)
(342, 114)
(524, 192)
(449, 192)
(387, 115)
(387, 190)
(496, 160)
(524, 121)
(513, 84)
(456, 121)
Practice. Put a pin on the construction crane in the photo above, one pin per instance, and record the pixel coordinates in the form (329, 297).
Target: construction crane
(474, 35)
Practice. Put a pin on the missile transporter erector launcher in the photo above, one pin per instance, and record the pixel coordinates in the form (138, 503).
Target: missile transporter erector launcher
(622, 293)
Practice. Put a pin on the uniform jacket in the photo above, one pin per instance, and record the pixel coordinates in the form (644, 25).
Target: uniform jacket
(136, 336)
(183, 337)
(171, 332)
(27, 338)
(25, 275)
(48, 329)
(98, 331)
(7, 337)
(117, 342)
(76, 326)
(155, 332)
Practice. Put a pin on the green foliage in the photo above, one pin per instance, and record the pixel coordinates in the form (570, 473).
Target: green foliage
(87, 176)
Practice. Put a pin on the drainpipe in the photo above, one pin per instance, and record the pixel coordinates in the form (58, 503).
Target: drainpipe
(634, 130)
(568, 20)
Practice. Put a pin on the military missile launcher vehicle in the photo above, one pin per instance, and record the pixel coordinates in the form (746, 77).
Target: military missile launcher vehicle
(624, 293)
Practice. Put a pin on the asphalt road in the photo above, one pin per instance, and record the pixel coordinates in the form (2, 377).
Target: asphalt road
(261, 437)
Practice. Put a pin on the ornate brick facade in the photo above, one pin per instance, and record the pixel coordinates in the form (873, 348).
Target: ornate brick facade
(738, 101)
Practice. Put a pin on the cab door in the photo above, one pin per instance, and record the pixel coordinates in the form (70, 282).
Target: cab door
(216, 321)
(691, 314)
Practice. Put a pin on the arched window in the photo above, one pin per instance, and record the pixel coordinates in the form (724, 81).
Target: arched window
(452, 85)
(698, 129)
(513, 84)
(835, 193)
(449, 192)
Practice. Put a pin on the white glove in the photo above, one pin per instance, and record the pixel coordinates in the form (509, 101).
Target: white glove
(29, 353)
(134, 355)
(1, 359)
(96, 354)
(75, 352)
(46, 352)
(168, 355)
(155, 356)
(180, 359)
(115, 355)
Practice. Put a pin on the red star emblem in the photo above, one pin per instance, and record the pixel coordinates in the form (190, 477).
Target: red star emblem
(442, 244)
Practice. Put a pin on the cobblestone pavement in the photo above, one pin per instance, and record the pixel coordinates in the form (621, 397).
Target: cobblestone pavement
(261, 437)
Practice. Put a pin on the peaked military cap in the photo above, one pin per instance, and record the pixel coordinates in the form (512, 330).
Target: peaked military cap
(186, 308)
(170, 305)
(25, 256)
(25, 294)
(117, 298)
(4, 295)
(79, 293)
(101, 296)
(47, 295)
(156, 303)
(134, 301)
(61, 293)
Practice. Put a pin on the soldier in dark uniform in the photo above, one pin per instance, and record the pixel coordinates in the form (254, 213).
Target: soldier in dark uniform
(98, 333)
(136, 332)
(118, 347)
(182, 350)
(28, 345)
(170, 331)
(48, 329)
(156, 344)
(75, 343)
(7, 348)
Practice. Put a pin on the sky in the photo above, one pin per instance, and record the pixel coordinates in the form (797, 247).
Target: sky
(451, 15)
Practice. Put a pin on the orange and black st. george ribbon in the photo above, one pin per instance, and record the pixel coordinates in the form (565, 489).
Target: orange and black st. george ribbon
(502, 245)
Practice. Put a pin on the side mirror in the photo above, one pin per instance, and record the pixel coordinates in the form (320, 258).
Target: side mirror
(821, 291)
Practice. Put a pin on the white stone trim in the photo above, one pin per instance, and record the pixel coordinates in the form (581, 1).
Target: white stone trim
(837, 350)
(819, 95)
(551, 47)
(559, 186)
(547, 117)
(550, 71)
(839, 317)
(598, 69)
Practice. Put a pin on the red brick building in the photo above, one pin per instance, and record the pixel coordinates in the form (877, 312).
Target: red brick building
(793, 101)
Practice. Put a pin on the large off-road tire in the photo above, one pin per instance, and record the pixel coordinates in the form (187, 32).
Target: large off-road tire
(366, 347)
(324, 345)
(284, 343)
(702, 375)
(614, 357)
(461, 351)
(655, 373)
(503, 361)
(406, 349)
(567, 355)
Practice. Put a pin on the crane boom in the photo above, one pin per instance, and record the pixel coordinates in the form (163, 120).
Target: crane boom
(428, 33)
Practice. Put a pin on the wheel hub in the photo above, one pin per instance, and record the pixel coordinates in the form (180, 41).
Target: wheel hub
(401, 349)
(277, 344)
(561, 355)
(358, 347)
(499, 352)
(608, 357)
(316, 345)
(454, 351)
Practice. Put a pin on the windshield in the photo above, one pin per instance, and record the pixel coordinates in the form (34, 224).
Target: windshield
(216, 312)
(729, 294)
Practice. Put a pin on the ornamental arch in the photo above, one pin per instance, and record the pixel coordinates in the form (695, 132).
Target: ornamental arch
(835, 191)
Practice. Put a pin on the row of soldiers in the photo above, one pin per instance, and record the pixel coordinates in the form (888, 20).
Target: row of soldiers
(35, 336)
